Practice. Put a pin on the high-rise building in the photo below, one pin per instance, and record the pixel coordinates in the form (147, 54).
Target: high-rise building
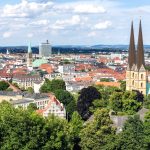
(45, 49)
(29, 56)
(136, 74)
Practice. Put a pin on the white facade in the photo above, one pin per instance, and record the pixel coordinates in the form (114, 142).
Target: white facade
(45, 49)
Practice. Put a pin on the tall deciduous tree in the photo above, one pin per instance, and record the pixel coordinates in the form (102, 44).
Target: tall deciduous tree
(98, 134)
(132, 136)
(3, 85)
(87, 96)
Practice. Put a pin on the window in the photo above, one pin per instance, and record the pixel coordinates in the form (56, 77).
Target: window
(141, 76)
(141, 84)
(133, 75)
(133, 82)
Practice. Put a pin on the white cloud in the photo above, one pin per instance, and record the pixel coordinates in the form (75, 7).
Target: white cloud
(7, 34)
(88, 8)
(30, 35)
(73, 21)
(80, 7)
(103, 25)
(92, 34)
(40, 22)
(25, 9)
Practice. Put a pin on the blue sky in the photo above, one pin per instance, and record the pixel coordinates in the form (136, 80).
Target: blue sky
(72, 22)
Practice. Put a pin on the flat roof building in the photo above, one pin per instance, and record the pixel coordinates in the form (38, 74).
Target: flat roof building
(45, 49)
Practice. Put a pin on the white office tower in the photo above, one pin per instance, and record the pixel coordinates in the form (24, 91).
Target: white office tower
(45, 49)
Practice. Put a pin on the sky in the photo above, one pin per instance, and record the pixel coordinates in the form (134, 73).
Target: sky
(72, 22)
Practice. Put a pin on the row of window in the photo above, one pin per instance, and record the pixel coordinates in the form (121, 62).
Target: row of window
(135, 75)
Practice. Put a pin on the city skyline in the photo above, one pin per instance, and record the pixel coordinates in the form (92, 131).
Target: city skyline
(68, 22)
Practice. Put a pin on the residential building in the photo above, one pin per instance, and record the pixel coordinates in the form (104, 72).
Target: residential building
(53, 107)
(26, 81)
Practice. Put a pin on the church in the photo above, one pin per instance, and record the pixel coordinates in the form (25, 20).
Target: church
(136, 74)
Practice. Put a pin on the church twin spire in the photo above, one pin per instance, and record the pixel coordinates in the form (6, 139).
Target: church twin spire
(136, 58)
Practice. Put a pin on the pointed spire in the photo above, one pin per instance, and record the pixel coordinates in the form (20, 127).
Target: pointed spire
(132, 53)
(29, 48)
(140, 49)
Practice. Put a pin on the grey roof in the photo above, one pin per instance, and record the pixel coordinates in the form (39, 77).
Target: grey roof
(22, 101)
(10, 93)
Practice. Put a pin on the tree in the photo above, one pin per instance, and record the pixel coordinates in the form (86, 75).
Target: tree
(3, 85)
(147, 130)
(52, 86)
(123, 85)
(76, 124)
(105, 80)
(30, 90)
(32, 107)
(67, 99)
(24, 129)
(116, 101)
(86, 97)
(147, 101)
(98, 134)
(125, 102)
(63, 96)
(132, 136)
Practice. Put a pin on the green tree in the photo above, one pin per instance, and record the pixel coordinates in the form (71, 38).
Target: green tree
(30, 90)
(3, 85)
(67, 99)
(98, 134)
(132, 136)
(32, 107)
(105, 80)
(52, 86)
(147, 101)
(76, 124)
(147, 130)
(123, 85)
(116, 101)
(26, 130)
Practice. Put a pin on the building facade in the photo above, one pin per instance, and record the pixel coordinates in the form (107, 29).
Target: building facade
(45, 49)
(136, 74)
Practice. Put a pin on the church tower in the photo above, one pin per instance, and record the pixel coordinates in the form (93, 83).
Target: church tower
(29, 56)
(136, 75)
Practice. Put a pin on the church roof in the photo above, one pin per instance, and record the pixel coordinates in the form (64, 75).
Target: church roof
(132, 53)
(140, 49)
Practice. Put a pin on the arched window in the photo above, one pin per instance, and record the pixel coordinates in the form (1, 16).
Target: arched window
(141, 76)
(133, 75)
(141, 85)
(133, 82)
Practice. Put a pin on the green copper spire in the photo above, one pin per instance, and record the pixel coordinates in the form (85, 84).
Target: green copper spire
(29, 48)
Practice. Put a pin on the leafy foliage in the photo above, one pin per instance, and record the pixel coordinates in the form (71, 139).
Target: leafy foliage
(3, 85)
(86, 97)
(51, 86)
(27, 130)
(67, 99)
(98, 134)
(125, 102)
(132, 136)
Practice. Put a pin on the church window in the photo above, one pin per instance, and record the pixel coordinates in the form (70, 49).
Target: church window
(141, 84)
(141, 76)
(133, 82)
(133, 75)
